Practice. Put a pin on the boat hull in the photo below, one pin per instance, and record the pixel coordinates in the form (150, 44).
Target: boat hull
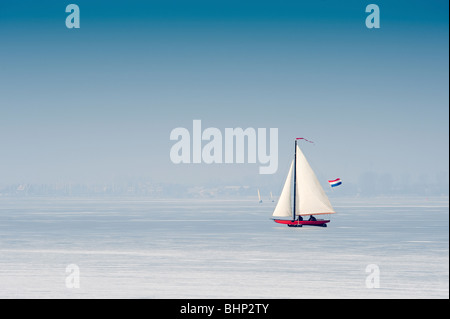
(300, 223)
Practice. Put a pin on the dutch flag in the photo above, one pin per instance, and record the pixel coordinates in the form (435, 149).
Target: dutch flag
(335, 182)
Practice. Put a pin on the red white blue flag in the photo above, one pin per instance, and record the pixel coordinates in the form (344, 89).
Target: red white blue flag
(335, 182)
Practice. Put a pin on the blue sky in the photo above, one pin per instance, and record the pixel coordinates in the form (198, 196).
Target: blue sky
(98, 103)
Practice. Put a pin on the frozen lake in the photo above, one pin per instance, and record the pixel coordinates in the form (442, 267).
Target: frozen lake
(142, 248)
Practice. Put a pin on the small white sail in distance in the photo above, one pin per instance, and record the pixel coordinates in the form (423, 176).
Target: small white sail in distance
(310, 196)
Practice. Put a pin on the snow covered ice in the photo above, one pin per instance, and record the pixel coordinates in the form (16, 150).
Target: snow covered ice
(142, 248)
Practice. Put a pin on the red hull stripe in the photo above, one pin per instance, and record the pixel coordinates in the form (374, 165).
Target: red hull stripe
(301, 222)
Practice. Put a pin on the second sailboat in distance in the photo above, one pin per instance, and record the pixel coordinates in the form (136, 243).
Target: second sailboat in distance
(309, 197)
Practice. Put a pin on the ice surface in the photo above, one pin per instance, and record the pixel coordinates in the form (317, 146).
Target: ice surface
(141, 248)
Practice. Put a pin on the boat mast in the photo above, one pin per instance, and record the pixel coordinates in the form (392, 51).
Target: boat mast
(295, 180)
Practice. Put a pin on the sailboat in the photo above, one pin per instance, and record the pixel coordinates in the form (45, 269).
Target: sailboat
(259, 197)
(309, 197)
(271, 197)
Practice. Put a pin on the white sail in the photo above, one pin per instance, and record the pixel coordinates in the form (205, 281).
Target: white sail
(310, 198)
(283, 208)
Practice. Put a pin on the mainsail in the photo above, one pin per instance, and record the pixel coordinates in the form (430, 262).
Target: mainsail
(310, 198)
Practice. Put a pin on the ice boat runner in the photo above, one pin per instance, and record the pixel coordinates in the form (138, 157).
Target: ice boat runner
(309, 197)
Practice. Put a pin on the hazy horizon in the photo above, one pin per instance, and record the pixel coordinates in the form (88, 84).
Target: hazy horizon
(97, 104)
